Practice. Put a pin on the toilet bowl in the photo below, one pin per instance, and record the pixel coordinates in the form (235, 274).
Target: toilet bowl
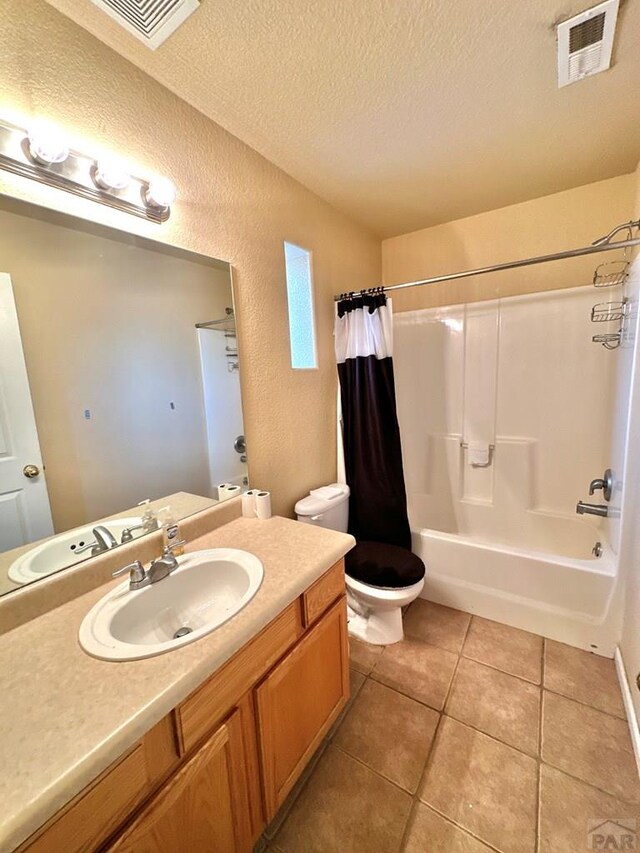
(381, 579)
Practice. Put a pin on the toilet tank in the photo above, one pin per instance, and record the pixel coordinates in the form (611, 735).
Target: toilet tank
(326, 507)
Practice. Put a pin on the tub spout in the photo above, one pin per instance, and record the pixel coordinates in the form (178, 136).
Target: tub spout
(583, 508)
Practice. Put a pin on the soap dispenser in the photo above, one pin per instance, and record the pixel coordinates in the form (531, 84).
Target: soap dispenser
(149, 516)
(170, 532)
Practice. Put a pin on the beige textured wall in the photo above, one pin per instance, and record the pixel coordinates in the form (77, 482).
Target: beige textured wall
(108, 326)
(233, 205)
(545, 225)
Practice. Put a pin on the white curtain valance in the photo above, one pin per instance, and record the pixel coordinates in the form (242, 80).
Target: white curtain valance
(359, 333)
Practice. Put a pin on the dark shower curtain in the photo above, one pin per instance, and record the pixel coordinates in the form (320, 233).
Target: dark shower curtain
(371, 435)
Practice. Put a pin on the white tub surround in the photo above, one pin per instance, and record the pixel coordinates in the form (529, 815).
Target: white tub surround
(521, 376)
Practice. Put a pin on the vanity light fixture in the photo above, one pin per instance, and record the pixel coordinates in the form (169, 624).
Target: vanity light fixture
(43, 154)
(47, 144)
(160, 193)
(111, 175)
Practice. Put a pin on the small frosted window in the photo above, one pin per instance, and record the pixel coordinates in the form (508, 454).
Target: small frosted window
(302, 332)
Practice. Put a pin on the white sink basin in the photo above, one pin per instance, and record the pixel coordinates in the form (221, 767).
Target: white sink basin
(206, 590)
(61, 551)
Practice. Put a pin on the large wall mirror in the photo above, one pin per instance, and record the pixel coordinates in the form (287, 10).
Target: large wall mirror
(119, 383)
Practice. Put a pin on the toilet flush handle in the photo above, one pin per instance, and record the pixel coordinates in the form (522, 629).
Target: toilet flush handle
(316, 517)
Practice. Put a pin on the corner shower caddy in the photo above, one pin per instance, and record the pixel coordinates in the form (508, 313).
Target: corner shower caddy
(612, 274)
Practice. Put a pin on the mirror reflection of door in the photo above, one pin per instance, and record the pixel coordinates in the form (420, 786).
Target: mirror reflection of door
(25, 514)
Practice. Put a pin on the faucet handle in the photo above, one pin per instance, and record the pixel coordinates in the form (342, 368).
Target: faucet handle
(595, 484)
(606, 484)
(167, 551)
(135, 569)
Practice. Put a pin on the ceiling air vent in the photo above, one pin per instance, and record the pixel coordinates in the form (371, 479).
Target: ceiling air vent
(585, 42)
(152, 21)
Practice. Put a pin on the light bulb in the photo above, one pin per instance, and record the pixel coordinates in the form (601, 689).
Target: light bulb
(160, 193)
(47, 143)
(111, 174)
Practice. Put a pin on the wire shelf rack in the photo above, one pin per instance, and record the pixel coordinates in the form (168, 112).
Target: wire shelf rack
(610, 340)
(608, 312)
(611, 273)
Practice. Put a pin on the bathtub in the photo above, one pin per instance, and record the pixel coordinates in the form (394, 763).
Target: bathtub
(565, 598)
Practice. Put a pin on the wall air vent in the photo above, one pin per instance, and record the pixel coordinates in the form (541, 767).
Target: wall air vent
(151, 21)
(585, 42)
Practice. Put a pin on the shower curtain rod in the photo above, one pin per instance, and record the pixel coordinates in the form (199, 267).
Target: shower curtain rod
(604, 244)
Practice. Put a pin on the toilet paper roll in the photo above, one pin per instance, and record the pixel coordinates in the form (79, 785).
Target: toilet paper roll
(228, 490)
(222, 491)
(263, 505)
(249, 503)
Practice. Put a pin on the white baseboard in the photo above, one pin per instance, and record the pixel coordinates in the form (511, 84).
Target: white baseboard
(628, 705)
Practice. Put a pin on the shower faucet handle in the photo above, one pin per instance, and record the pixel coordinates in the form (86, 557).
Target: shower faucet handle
(606, 484)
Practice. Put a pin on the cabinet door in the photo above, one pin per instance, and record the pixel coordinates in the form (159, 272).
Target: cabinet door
(298, 702)
(203, 807)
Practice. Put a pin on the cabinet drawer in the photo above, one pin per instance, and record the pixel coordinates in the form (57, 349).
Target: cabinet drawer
(323, 593)
(198, 714)
(100, 810)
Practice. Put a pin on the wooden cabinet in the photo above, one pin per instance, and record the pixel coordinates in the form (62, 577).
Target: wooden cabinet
(299, 701)
(210, 774)
(203, 807)
(84, 823)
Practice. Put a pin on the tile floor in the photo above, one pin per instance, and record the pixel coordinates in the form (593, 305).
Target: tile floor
(467, 737)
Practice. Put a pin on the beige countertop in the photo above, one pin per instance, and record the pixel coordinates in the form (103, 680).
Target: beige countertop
(66, 716)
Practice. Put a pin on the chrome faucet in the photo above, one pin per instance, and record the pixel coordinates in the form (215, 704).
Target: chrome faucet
(583, 508)
(104, 538)
(166, 564)
(104, 541)
(157, 571)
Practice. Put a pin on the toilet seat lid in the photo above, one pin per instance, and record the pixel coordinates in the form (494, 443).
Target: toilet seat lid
(384, 566)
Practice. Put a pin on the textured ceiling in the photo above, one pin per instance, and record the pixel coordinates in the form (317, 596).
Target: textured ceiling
(403, 113)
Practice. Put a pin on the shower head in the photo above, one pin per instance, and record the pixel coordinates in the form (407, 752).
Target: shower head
(628, 226)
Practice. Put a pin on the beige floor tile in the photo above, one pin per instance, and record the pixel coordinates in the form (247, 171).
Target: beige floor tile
(272, 829)
(430, 833)
(505, 648)
(421, 671)
(570, 809)
(345, 808)
(589, 744)
(498, 704)
(583, 676)
(363, 655)
(400, 753)
(484, 786)
(435, 624)
(356, 680)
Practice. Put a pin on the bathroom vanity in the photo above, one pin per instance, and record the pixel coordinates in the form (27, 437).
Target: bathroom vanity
(194, 749)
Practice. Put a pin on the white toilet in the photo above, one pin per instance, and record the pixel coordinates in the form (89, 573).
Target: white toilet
(374, 611)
